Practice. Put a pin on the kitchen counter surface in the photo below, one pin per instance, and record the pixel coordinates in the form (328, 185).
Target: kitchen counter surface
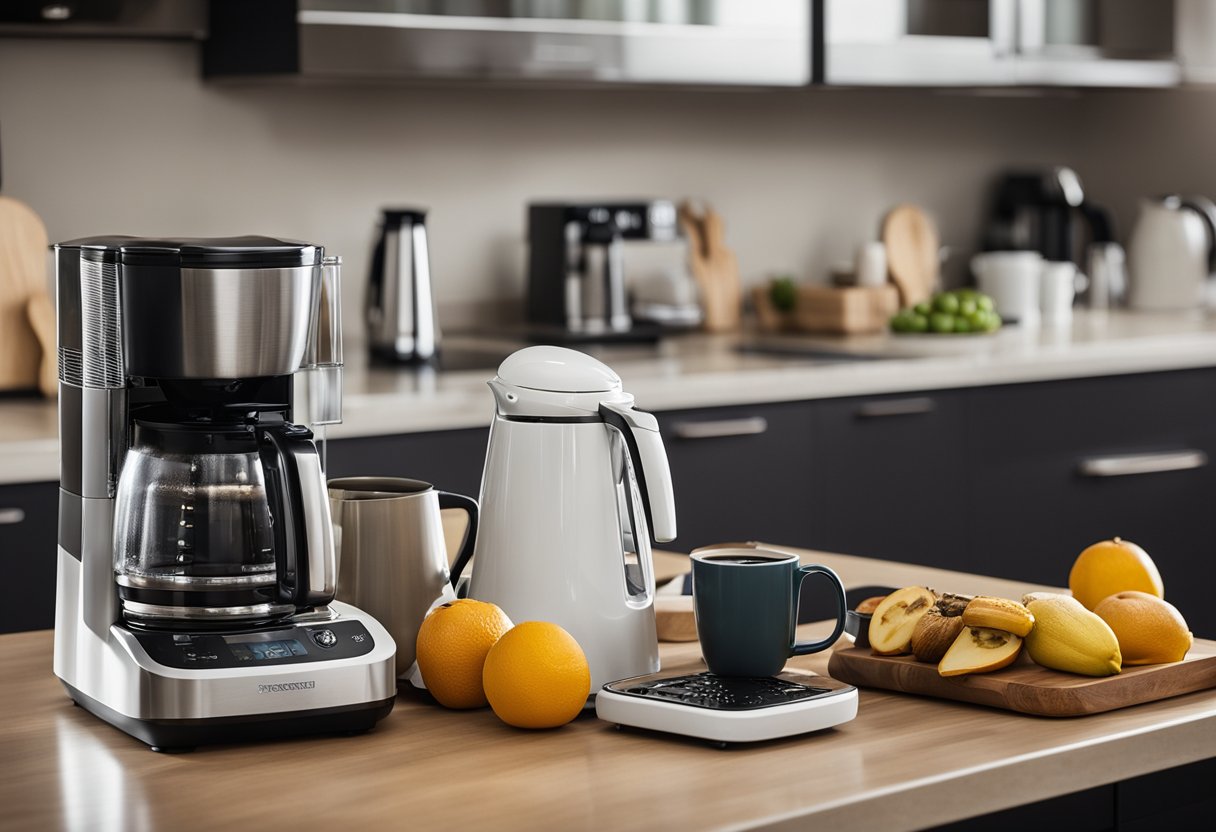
(904, 763)
(706, 371)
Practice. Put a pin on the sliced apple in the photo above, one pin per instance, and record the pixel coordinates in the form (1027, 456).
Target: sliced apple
(894, 620)
(980, 650)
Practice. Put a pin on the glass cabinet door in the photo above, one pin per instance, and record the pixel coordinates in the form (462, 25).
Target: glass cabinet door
(919, 42)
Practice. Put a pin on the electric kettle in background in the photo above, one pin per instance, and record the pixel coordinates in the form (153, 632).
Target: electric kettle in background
(401, 321)
(1171, 253)
(576, 483)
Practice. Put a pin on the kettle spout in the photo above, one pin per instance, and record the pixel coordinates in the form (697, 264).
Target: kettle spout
(504, 396)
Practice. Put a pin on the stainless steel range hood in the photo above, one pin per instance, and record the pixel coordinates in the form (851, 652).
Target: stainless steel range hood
(750, 42)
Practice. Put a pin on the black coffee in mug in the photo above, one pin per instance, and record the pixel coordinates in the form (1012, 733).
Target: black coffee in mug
(746, 604)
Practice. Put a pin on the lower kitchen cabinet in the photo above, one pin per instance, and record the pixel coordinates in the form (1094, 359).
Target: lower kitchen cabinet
(889, 478)
(1054, 467)
(29, 522)
(741, 473)
(451, 460)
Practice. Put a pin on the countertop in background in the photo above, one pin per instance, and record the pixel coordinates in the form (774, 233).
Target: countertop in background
(707, 371)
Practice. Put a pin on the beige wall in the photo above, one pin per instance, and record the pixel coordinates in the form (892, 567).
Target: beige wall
(123, 137)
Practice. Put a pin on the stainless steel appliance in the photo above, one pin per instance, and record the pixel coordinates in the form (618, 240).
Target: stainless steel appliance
(765, 42)
(393, 559)
(401, 320)
(576, 264)
(196, 563)
(576, 483)
(967, 43)
(1172, 253)
(1037, 210)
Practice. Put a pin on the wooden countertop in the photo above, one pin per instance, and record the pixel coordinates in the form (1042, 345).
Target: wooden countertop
(904, 763)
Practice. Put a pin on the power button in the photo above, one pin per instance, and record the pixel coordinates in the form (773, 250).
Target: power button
(324, 638)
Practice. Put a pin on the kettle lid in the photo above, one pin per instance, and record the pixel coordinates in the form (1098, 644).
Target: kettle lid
(557, 370)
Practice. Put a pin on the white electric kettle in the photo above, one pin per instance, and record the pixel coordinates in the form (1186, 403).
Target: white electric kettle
(575, 484)
(1171, 253)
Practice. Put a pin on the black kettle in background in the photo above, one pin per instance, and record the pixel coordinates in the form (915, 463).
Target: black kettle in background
(401, 322)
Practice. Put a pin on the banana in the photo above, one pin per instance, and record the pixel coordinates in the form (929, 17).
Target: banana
(1068, 637)
(999, 614)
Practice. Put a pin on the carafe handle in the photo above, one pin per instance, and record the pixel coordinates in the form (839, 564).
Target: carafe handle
(299, 511)
(469, 505)
(645, 444)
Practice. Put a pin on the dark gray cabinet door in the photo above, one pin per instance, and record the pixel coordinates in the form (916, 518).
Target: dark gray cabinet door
(29, 520)
(451, 460)
(887, 478)
(1038, 496)
(740, 473)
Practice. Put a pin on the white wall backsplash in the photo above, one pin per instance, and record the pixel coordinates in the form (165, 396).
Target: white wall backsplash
(124, 137)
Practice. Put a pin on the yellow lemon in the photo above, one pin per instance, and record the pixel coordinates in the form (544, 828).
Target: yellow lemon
(1111, 566)
(1150, 630)
(536, 676)
(452, 645)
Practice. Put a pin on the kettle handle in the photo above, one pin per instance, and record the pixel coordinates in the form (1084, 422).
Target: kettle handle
(450, 500)
(641, 433)
(1206, 210)
(299, 510)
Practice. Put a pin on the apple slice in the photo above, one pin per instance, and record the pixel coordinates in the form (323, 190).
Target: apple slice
(894, 620)
(980, 650)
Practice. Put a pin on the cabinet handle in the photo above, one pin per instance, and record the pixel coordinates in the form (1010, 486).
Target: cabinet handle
(11, 516)
(896, 407)
(1123, 465)
(749, 426)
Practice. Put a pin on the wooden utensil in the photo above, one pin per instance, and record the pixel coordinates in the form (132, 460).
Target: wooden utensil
(23, 245)
(713, 266)
(912, 245)
(1027, 688)
(40, 312)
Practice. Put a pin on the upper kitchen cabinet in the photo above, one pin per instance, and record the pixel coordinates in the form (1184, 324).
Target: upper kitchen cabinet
(973, 43)
(714, 42)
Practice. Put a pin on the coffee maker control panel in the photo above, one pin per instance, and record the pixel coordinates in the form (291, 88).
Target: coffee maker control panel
(298, 644)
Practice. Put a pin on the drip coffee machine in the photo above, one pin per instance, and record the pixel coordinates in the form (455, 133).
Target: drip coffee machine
(196, 562)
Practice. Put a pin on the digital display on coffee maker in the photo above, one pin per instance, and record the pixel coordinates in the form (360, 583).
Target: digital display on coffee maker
(258, 651)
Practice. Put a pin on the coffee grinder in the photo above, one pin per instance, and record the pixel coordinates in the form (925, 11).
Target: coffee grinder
(196, 565)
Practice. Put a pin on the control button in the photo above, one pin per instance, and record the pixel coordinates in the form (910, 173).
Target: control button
(180, 639)
(324, 638)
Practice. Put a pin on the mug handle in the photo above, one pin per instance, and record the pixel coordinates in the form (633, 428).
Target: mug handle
(469, 505)
(801, 648)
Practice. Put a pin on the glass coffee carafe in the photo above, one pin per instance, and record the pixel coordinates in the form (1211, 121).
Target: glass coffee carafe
(194, 538)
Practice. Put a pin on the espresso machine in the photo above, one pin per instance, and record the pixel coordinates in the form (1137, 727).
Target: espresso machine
(196, 564)
(576, 266)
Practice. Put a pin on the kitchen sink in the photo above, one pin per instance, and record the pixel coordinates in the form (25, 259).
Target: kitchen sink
(804, 351)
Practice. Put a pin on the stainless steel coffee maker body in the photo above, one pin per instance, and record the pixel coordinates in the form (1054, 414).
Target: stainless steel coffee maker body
(196, 565)
(576, 263)
(402, 324)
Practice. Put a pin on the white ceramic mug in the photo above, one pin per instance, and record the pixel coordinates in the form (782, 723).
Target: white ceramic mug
(1012, 280)
(1057, 288)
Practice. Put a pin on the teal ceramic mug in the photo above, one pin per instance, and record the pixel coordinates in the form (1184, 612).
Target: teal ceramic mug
(746, 604)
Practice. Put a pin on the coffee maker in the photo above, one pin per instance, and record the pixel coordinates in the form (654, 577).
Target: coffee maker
(1036, 210)
(576, 266)
(196, 563)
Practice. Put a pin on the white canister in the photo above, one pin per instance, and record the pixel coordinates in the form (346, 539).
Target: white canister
(870, 266)
(1011, 279)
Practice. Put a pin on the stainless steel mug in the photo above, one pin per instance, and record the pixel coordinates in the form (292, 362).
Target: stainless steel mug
(392, 559)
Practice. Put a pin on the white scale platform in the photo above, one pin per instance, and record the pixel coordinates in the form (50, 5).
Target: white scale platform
(727, 709)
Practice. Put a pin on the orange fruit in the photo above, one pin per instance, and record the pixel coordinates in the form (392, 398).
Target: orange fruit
(1111, 566)
(1150, 630)
(536, 676)
(452, 645)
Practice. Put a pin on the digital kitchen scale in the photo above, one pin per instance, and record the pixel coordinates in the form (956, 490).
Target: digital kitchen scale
(726, 709)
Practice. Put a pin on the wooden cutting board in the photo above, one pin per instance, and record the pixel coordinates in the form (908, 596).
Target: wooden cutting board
(912, 244)
(23, 246)
(1027, 688)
